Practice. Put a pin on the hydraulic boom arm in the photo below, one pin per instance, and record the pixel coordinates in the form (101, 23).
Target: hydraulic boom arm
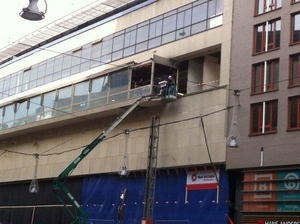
(59, 182)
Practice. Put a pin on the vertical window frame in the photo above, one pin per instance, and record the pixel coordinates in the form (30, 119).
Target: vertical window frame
(264, 85)
(293, 76)
(292, 29)
(263, 127)
(290, 99)
(266, 45)
(266, 5)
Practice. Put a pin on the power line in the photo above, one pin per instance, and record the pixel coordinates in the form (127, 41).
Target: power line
(133, 130)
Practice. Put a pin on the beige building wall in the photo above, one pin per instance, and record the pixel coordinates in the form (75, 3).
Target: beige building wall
(181, 143)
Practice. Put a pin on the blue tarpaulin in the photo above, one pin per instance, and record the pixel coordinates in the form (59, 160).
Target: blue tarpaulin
(173, 203)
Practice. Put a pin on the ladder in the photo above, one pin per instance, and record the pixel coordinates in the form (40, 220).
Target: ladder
(151, 168)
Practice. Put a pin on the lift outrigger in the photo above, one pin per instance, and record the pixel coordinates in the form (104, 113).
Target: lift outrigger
(59, 182)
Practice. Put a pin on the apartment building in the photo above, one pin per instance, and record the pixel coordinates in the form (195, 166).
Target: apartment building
(83, 109)
(265, 74)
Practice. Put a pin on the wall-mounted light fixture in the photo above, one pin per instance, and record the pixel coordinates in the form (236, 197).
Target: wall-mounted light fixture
(233, 135)
(124, 170)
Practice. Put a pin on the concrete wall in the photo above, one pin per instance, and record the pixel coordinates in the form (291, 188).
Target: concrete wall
(281, 148)
(180, 144)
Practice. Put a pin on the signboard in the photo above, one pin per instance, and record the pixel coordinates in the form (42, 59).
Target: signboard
(277, 222)
(260, 187)
(280, 188)
(291, 183)
(200, 180)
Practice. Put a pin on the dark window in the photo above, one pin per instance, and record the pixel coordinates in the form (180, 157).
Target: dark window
(262, 6)
(294, 113)
(265, 76)
(263, 118)
(267, 36)
(294, 79)
(295, 30)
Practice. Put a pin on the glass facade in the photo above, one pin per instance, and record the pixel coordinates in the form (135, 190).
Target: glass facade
(180, 23)
(110, 88)
(183, 22)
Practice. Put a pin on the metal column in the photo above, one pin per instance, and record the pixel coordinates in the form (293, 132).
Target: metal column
(151, 168)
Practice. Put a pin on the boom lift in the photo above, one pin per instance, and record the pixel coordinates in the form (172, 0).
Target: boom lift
(59, 182)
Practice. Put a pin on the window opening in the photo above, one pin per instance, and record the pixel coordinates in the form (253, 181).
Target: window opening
(294, 79)
(264, 117)
(265, 76)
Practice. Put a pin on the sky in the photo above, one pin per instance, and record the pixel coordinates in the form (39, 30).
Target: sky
(14, 27)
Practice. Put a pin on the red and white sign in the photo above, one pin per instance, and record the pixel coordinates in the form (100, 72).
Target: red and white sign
(200, 180)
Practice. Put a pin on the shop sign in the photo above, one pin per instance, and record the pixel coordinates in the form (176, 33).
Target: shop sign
(200, 180)
(291, 183)
(277, 222)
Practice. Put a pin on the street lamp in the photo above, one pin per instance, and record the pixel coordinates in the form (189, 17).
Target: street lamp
(32, 12)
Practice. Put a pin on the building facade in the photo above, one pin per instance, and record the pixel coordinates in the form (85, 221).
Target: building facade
(59, 94)
(265, 71)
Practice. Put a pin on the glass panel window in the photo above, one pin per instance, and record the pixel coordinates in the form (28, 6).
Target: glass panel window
(130, 37)
(142, 34)
(76, 57)
(265, 76)
(58, 62)
(295, 35)
(41, 69)
(155, 29)
(67, 60)
(169, 24)
(48, 105)
(21, 113)
(26, 79)
(81, 91)
(34, 109)
(95, 54)
(80, 97)
(118, 43)
(12, 85)
(98, 92)
(1, 118)
(294, 113)
(1, 93)
(119, 81)
(107, 46)
(262, 6)
(215, 7)
(49, 67)
(294, 79)
(85, 58)
(267, 36)
(33, 75)
(264, 118)
(64, 97)
(99, 87)
(9, 114)
(199, 13)
(75, 64)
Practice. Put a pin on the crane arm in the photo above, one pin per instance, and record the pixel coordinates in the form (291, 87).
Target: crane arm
(59, 182)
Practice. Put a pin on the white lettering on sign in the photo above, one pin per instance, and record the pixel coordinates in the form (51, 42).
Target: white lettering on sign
(289, 222)
(263, 186)
(290, 183)
(281, 222)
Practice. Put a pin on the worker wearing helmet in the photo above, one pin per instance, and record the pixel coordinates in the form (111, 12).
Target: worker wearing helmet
(171, 83)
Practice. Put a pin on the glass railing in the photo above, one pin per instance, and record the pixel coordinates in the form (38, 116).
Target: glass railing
(69, 106)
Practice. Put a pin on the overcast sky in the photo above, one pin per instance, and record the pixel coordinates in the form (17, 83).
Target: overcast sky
(13, 27)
